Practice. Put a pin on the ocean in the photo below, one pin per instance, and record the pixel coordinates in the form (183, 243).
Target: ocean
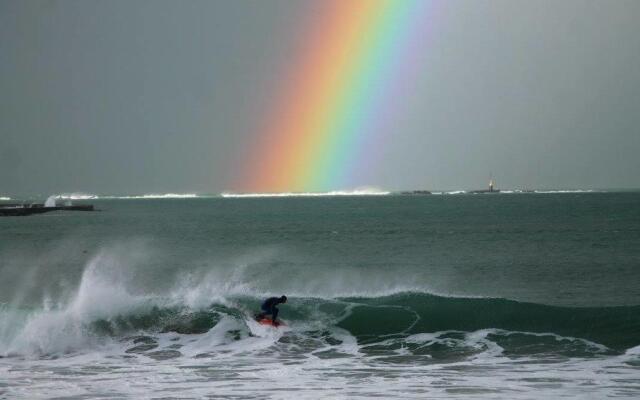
(501, 296)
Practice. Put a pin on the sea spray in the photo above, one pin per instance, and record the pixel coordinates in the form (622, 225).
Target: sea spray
(102, 300)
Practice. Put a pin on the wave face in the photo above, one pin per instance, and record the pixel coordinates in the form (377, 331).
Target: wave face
(203, 327)
(105, 308)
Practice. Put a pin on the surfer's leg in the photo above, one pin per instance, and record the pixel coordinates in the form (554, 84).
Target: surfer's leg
(274, 312)
(265, 311)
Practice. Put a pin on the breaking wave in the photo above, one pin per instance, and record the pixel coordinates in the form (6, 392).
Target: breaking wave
(156, 196)
(87, 196)
(76, 196)
(357, 192)
(569, 191)
(105, 310)
(451, 192)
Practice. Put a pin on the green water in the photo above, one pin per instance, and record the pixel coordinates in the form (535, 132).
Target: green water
(569, 249)
(385, 285)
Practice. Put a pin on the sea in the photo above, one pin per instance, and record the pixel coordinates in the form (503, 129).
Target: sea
(487, 296)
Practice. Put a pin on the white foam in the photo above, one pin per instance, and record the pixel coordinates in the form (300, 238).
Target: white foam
(61, 327)
(218, 341)
(156, 196)
(634, 351)
(356, 192)
(452, 192)
(245, 374)
(87, 196)
(51, 202)
(568, 191)
(76, 196)
(4, 198)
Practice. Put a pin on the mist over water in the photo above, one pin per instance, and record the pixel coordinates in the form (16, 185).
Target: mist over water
(502, 296)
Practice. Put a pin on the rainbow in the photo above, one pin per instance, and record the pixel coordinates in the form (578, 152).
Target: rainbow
(337, 103)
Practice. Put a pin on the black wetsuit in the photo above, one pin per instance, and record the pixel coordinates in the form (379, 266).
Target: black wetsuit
(269, 307)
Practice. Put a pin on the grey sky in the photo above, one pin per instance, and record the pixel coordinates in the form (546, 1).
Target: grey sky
(161, 96)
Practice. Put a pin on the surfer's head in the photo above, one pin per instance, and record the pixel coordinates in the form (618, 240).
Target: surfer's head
(283, 299)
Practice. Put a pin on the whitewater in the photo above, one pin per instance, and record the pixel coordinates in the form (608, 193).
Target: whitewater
(507, 297)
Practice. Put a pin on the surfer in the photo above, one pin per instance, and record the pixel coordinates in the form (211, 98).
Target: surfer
(269, 307)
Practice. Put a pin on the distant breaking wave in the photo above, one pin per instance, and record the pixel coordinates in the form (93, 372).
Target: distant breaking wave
(569, 191)
(75, 196)
(85, 196)
(357, 192)
(519, 191)
(451, 192)
(5, 198)
(156, 196)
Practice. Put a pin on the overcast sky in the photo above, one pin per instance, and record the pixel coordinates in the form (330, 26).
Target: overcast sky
(120, 97)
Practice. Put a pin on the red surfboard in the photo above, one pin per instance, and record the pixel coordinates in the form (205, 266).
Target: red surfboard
(268, 321)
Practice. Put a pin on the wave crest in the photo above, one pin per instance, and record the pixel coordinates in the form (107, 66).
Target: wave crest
(355, 192)
(111, 302)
